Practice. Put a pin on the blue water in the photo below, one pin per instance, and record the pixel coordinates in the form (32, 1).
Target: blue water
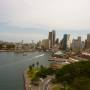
(13, 65)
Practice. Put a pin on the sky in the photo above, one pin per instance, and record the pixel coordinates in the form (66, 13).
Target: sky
(32, 19)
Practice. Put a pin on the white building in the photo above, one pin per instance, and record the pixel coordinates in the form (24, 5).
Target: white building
(77, 44)
(69, 41)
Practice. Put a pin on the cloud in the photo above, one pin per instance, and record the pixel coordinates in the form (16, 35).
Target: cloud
(62, 14)
(33, 19)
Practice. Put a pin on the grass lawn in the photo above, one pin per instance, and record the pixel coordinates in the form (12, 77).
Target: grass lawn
(32, 72)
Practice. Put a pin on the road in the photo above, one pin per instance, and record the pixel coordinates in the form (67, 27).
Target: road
(44, 84)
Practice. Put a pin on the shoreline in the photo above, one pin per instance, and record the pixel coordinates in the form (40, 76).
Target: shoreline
(26, 80)
(17, 51)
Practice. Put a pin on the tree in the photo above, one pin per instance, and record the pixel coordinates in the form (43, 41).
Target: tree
(82, 83)
(30, 68)
(41, 66)
(33, 65)
(73, 74)
(37, 64)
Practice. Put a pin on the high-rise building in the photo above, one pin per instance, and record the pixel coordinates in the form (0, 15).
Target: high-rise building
(39, 43)
(45, 44)
(57, 41)
(51, 39)
(87, 42)
(77, 44)
(88, 37)
(66, 42)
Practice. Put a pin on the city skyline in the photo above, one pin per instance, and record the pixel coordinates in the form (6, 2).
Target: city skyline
(32, 20)
(28, 35)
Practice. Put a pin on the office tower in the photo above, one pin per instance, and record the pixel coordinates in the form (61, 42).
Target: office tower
(45, 44)
(57, 41)
(66, 42)
(77, 44)
(51, 39)
(87, 42)
(88, 37)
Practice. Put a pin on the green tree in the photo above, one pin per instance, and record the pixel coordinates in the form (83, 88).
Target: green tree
(37, 64)
(30, 68)
(81, 83)
(33, 65)
(73, 72)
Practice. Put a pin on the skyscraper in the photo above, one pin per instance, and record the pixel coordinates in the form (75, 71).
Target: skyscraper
(88, 37)
(45, 44)
(87, 43)
(66, 42)
(51, 39)
(77, 44)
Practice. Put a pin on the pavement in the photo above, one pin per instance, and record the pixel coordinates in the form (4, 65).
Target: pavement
(45, 84)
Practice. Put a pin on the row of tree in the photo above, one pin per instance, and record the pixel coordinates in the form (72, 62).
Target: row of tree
(33, 65)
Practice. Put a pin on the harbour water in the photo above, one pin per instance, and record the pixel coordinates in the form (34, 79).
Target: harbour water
(12, 66)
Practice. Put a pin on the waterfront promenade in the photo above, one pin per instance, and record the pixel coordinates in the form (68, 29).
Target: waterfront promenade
(26, 81)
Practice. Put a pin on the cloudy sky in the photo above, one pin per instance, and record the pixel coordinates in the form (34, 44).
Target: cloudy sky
(33, 19)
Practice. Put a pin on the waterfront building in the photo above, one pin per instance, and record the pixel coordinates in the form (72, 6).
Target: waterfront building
(39, 43)
(7, 46)
(18, 46)
(45, 44)
(85, 55)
